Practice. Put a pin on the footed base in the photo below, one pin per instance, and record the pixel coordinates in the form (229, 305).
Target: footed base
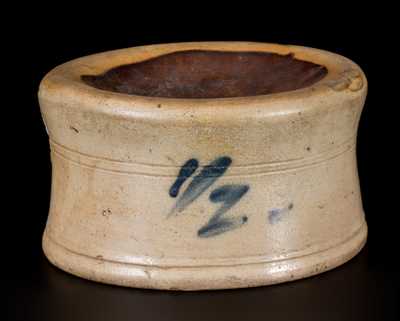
(203, 277)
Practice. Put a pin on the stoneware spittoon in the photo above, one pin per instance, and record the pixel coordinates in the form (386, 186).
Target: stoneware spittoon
(207, 165)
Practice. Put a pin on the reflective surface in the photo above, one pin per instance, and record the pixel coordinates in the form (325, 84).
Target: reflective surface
(358, 290)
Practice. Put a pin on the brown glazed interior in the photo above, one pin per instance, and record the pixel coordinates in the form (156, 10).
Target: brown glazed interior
(209, 74)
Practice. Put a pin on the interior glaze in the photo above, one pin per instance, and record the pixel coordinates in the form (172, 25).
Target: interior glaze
(209, 74)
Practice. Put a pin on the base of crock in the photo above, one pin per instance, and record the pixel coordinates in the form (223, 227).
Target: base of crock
(208, 277)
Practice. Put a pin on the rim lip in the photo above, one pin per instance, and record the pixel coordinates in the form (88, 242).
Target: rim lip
(64, 83)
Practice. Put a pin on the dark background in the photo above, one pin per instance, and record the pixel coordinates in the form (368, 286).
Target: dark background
(366, 288)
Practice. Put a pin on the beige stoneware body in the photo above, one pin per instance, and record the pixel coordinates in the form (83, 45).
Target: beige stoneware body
(115, 157)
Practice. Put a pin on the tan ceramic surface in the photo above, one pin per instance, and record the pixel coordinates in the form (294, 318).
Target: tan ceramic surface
(115, 157)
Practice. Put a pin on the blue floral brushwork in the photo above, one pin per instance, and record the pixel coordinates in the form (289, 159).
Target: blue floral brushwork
(228, 195)
(276, 214)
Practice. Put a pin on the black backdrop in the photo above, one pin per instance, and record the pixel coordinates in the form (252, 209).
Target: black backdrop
(366, 288)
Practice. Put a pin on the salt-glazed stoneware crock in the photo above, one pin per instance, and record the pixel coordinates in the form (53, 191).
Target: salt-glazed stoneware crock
(209, 165)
